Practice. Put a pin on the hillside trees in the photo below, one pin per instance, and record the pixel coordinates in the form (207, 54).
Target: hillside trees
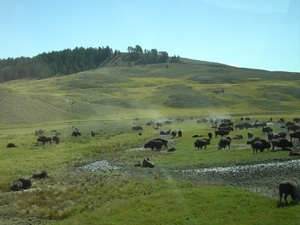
(147, 56)
(53, 63)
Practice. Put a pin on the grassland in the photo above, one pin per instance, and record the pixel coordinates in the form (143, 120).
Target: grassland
(110, 101)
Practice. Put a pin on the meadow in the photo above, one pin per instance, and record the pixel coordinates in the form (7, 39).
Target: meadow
(110, 101)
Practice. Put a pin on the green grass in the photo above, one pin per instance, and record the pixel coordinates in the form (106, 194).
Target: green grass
(110, 101)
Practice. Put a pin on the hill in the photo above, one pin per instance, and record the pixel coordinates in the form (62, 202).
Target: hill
(115, 90)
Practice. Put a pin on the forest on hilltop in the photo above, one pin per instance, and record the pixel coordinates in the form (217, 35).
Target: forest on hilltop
(73, 61)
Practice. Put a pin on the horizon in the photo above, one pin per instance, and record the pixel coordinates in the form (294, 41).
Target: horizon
(245, 34)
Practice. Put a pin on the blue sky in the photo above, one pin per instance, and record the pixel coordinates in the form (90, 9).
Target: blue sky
(261, 34)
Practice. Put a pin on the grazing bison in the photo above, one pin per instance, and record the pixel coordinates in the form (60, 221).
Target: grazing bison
(20, 183)
(200, 143)
(56, 139)
(260, 145)
(147, 163)
(265, 130)
(44, 139)
(282, 143)
(295, 135)
(221, 133)
(93, 133)
(223, 143)
(153, 145)
(11, 145)
(292, 188)
(76, 133)
(40, 175)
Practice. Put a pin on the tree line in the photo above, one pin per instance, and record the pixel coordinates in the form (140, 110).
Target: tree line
(71, 61)
(53, 63)
(144, 57)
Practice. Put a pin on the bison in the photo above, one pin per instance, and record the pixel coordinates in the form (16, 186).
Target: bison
(147, 163)
(137, 128)
(153, 145)
(40, 175)
(209, 134)
(221, 133)
(171, 149)
(290, 187)
(223, 143)
(20, 183)
(260, 145)
(266, 130)
(201, 143)
(250, 135)
(76, 133)
(44, 139)
(293, 128)
(56, 139)
(282, 143)
(163, 141)
(295, 135)
(11, 145)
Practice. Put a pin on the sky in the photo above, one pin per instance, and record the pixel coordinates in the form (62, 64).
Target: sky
(258, 34)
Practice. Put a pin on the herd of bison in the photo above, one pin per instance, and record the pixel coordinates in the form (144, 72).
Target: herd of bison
(285, 140)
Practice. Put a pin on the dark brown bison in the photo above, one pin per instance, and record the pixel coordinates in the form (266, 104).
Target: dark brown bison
(238, 136)
(163, 141)
(293, 128)
(147, 163)
(20, 183)
(153, 145)
(76, 133)
(171, 149)
(56, 139)
(297, 120)
(93, 133)
(174, 133)
(295, 135)
(266, 130)
(137, 128)
(201, 143)
(210, 135)
(40, 175)
(260, 145)
(250, 135)
(221, 133)
(292, 188)
(44, 139)
(179, 133)
(282, 143)
(11, 145)
(223, 143)
(293, 153)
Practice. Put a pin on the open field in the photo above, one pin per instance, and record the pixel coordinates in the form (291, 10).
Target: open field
(110, 101)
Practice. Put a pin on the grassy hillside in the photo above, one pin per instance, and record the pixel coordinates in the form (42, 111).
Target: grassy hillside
(179, 89)
(110, 101)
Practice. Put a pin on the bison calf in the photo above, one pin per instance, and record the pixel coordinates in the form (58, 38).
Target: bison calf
(292, 188)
